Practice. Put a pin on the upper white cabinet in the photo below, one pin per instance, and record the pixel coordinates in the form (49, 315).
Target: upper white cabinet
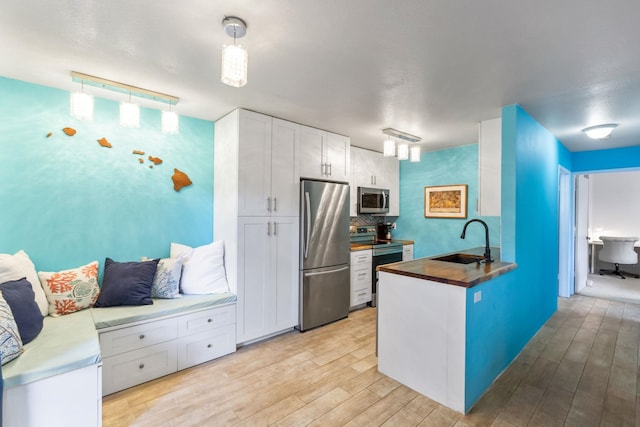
(490, 167)
(372, 169)
(268, 174)
(324, 155)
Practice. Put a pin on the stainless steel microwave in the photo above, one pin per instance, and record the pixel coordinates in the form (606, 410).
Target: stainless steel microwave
(373, 200)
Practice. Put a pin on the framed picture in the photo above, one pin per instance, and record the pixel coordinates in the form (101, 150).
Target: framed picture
(445, 201)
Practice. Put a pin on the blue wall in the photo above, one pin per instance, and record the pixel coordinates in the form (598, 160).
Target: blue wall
(514, 306)
(434, 236)
(67, 201)
(606, 160)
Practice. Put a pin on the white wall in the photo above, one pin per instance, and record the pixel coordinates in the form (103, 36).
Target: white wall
(614, 204)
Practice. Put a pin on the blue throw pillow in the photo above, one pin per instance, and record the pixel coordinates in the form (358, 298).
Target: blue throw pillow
(20, 297)
(127, 283)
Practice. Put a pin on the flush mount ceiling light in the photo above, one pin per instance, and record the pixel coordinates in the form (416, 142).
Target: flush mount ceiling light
(234, 57)
(600, 131)
(404, 150)
(129, 111)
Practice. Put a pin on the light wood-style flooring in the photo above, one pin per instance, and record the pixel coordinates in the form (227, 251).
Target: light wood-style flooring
(581, 369)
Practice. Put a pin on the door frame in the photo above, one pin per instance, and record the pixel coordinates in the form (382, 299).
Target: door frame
(565, 233)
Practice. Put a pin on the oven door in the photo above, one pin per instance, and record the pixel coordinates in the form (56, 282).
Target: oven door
(376, 261)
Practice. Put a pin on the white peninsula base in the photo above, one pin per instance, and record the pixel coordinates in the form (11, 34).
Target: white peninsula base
(421, 336)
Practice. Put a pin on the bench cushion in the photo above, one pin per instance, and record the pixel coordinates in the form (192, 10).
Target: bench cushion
(66, 343)
(115, 316)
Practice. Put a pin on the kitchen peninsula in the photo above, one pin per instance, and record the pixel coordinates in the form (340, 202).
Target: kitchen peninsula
(428, 313)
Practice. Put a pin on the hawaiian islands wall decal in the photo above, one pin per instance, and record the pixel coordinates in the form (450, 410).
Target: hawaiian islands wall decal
(104, 143)
(180, 180)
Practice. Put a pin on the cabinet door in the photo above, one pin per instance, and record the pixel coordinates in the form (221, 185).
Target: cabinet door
(285, 171)
(312, 164)
(254, 168)
(337, 157)
(284, 259)
(254, 283)
(391, 180)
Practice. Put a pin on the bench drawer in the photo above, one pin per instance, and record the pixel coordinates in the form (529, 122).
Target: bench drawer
(206, 320)
(136, 337)
(135, 367)
(208, 345)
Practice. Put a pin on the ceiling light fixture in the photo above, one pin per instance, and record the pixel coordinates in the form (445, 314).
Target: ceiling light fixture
(404, 151)
(170, 122)
(389, 148)
(600, 131)
(234, 57)
(129, 111)
(82, 105)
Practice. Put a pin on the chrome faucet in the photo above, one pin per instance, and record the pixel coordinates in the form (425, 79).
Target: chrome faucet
(487, 250)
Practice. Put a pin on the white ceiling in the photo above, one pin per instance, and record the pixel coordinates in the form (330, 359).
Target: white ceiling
(429, 68)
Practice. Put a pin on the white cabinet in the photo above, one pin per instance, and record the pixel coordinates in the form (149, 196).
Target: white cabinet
(407, 252)
(324, 155)
(372, 169)
(361, 264)
(267, 276)
(139, 352)
(268, 151)
(256, 208)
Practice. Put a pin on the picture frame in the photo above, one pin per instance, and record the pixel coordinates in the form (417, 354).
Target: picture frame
(445, 201)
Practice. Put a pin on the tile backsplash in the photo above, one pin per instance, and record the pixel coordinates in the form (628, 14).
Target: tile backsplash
(364, 220)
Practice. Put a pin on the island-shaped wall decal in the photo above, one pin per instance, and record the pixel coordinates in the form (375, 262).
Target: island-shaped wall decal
(180, 180)
(103, 142)
(69, 131)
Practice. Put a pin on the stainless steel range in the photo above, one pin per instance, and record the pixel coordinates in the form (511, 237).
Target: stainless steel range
(385, 251)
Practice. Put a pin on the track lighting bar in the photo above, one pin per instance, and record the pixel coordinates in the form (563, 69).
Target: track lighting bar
(123, 88)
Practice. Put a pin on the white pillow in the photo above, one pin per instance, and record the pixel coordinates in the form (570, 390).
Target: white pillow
(202, 268)
(19, 265)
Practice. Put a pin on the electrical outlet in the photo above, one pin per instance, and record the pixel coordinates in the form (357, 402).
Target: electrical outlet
(477, 297)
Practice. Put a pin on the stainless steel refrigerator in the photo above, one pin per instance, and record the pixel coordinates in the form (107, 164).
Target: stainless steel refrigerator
(324, 253)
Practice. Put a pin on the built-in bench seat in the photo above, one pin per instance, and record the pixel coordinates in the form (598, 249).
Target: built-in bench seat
(58, 380)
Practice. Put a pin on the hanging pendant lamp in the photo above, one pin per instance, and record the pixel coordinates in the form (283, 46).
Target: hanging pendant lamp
(234, 56)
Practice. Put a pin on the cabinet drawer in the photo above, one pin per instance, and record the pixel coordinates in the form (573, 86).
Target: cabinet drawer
(361, 278)
(135, 337)
(360, 296)
(360, 258)
(205, 346)
(205, 320)
(126, 370)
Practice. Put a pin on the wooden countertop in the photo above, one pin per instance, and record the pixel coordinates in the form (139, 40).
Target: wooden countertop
(365, 246)
(466, 275)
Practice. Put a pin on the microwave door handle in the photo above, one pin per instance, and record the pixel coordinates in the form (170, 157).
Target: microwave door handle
(307, 228)
(384, 200)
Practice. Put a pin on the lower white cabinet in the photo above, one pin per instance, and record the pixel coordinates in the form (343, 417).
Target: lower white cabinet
(268, 276)
(361, 275)
(407, 252)
(136, 353)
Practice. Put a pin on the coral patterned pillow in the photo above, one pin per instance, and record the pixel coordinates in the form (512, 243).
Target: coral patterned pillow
(70, 290)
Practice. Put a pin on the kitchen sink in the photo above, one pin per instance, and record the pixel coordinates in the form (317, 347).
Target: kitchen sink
(460, 258)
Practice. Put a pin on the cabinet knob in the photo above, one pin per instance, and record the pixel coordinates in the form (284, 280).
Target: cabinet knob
(141, 336)
(209, 345)
(141, 366)
(209, 320)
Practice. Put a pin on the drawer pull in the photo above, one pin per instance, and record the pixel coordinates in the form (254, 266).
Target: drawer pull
(361, 294)
(141, 336)
(209, 345)
(141, 366)
(209, 320)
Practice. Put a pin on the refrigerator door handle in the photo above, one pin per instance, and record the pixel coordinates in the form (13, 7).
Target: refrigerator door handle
(307, 231)
(326, 272)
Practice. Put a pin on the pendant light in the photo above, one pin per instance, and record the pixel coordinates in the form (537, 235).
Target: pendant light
(403, 151)
(129, 114)
(414, 153)
(82, 105)
(170, 122)
(389, 147)
(234, 57)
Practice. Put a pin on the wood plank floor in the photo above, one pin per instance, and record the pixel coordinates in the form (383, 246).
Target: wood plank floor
(581, 369)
